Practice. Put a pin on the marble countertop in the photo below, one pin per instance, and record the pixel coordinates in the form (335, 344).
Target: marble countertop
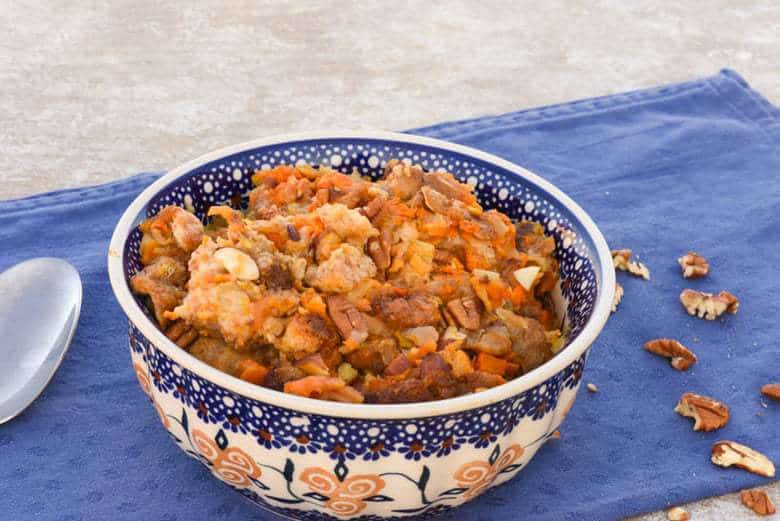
(94, 91)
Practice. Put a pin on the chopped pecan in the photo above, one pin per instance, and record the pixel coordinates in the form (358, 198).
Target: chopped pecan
(730, 453)
(693, 265)
(349, 321)
(677, 514)
(772, 391)
(529, 340)
(465, 311)
(447, 185)
(708, 306)
(154, 281)
(307, 334)
(181, 333)
(617, 297)
(379, 249)
(373, 208)
(708, 414)
(405, 312)
(374, 355)
(493, 340)
(403, 180)
(277, 276)
(621, 257)
(681, 358)
(758, 501)
(622, 261)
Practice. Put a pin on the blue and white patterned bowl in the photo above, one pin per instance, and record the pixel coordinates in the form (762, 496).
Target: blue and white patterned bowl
(313, 459)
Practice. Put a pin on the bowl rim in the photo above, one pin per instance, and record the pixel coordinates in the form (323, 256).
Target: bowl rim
(403, 411)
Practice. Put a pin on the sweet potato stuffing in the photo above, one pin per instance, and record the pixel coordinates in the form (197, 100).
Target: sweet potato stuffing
(335, 287)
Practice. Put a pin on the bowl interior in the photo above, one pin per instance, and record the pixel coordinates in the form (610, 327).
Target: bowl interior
(229, 177)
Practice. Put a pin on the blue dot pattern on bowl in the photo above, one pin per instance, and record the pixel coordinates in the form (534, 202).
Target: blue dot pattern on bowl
(349, 438)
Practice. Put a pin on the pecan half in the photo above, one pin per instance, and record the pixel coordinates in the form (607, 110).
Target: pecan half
(466, 311)
(404, 180)
(730, 453)
(622, 261)
(708, 414)
(693, 265)
(350, 322)
(758, 501)
(681, 358)
(379, 250)
(772, 391)
(181, 333)
(708, 306)
(617, 297)
(677, 514)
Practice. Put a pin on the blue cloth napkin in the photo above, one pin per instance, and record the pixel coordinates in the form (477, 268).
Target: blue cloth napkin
(693, 165)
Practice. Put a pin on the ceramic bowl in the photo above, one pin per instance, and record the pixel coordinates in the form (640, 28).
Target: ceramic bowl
(312, 459)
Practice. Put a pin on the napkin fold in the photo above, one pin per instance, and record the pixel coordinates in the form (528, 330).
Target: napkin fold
(689, 166)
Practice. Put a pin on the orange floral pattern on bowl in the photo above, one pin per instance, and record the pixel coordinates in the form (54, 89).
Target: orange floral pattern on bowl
(477, 476)
(231, 464)
(346, 497)
(146, 386)
(143, 380)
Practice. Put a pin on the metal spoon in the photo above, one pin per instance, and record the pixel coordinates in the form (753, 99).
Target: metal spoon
(40, 301)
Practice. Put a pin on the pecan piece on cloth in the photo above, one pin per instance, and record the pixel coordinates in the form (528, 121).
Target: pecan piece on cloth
(730, 453)
(758, 501)
(677, 514)
(622, 261)
(693, 265)
(708, 414)
(617, 297)
(772, 391)
(681, 358)
(708, 306)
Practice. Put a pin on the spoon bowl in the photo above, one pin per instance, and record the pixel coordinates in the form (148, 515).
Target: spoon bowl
(40, 302)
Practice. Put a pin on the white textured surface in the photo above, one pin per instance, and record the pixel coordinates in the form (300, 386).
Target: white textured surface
(93, 91)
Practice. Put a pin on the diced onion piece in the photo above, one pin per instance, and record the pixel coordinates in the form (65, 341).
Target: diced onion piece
(422, 336)
(526, 276)
(556, 340)
(453, 337)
